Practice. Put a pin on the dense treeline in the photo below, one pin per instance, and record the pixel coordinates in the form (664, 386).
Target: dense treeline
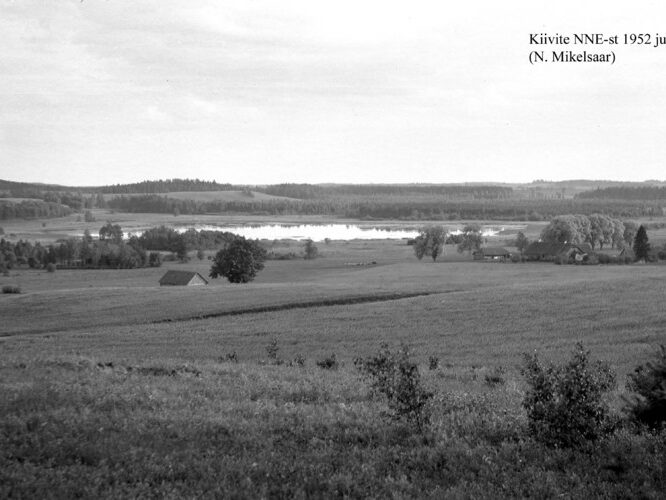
(391, 207)
(644, 193)
(31, 209)
(165, 186)
(110, 250)
(463, 191)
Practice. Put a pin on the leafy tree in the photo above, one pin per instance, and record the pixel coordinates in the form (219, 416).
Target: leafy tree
(310, 249)
(641, 245)
(471, 238)
(396, 376)
(111, 232)
(430, 242)
(521, 242)
(565, 405)
(239, 260)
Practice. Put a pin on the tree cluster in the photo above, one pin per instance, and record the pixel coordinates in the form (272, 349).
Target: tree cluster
(596, 229)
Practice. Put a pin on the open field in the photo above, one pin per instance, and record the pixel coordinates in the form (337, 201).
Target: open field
(111, 386)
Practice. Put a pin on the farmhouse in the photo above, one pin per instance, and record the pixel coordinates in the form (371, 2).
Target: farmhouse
(492, 253)
(182, 278)
(541, 250)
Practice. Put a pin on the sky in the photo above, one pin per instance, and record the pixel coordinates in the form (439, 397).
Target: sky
(261, 92)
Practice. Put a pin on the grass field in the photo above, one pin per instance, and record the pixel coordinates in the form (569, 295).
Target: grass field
(111, 386)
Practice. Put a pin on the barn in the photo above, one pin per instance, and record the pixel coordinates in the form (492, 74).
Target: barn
(492, 253)
(540, 250)
(182, 278)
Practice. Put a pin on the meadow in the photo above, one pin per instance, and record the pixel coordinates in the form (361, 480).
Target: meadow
(111, 386)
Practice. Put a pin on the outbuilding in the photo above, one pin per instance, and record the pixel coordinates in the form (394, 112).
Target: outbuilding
(182, 278)
(492, 253)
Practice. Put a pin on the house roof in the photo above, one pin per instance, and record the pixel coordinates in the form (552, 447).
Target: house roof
(553, 249)
(495, 251)
(180, 277)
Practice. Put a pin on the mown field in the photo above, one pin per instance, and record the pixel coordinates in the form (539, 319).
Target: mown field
(111, 386)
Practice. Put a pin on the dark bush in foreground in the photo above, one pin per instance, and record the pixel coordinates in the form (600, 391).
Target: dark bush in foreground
(11, 289)
(648, 381)
(328, 363)
(51, 267)
(564, 403)
(395, 376)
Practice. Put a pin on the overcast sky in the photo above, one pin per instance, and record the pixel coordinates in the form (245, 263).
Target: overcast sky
(260, 92)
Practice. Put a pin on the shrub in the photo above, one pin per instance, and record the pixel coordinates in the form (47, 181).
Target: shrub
(11, 289)
(395, 376)
(328, 363)
(603, 258)
(51, 267)
(299, 360)
(648, 382)
(564, 403)
(495, 377)
(272, 351)
(231, 356)
(515, 258)
(433, 362)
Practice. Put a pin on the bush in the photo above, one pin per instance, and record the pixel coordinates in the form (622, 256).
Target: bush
(495, 377)
(51, 267)
(564, 403)
(329, 363)
(603, 258)
(515, 258)
(648, 381)
(272, 350)
(395, 376)
(231, 357)
(299, 360)
(433, 362)
(11, 289)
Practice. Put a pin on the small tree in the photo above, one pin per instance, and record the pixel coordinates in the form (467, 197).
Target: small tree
(430, 242)
(310, 250)
(395, 376)
(641, 245)
(239, 260)
(111, 232)
(564, 403)
(471, 238)
(521, 242)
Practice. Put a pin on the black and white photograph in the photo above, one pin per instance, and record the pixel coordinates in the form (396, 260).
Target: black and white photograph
(315, 249)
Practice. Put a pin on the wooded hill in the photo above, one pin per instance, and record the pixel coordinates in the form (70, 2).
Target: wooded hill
(539, 200)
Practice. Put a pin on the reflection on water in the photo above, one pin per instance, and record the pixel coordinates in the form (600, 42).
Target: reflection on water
(320, 232)
(315, 232)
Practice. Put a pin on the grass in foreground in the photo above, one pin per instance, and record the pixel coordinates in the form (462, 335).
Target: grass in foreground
(75, 426)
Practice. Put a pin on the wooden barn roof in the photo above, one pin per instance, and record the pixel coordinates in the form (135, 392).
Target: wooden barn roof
(180, 277)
